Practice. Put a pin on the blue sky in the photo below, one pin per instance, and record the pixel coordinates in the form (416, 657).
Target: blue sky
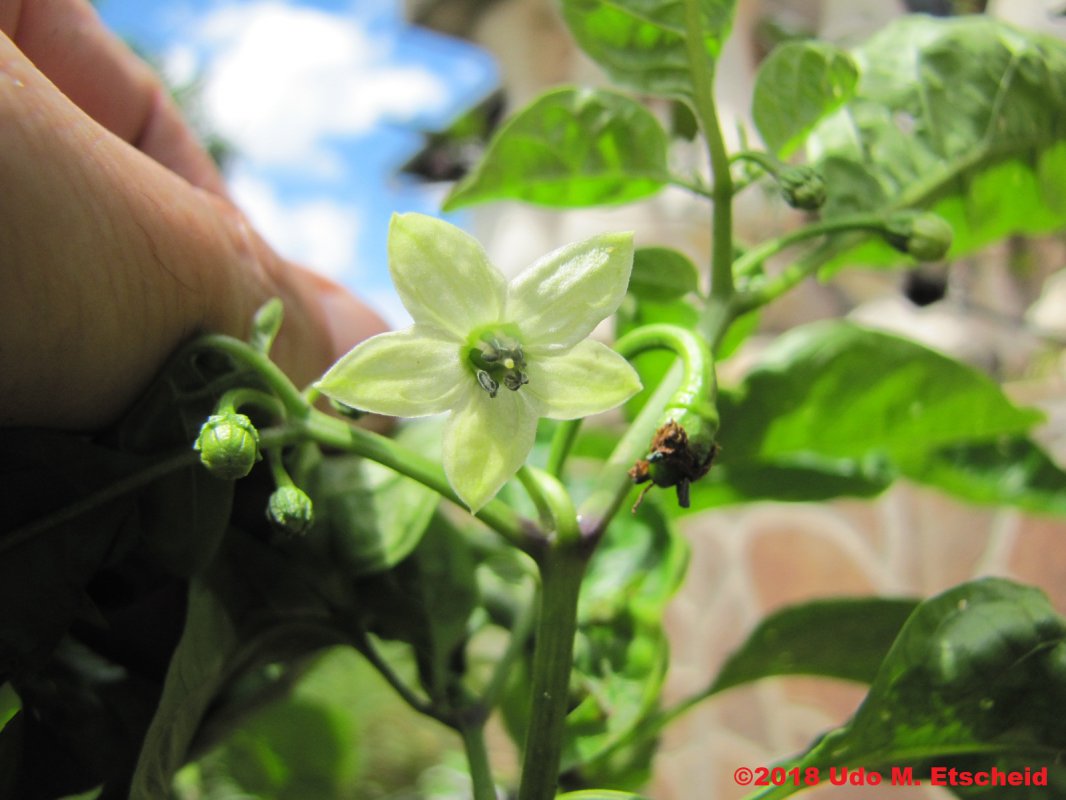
(322, 99)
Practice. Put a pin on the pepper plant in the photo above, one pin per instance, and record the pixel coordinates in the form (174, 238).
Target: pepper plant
(167, 577)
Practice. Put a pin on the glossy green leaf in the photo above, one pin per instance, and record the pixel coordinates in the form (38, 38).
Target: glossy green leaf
(963, 116)
(797, 85)
(1011, 470)
(662, 274)
(836, 390)
(839, 638)
(642, 43)
(977, 673)
(571, 148)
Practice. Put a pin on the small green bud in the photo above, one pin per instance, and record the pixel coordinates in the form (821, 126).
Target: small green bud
(802, 187)
(921, 234)
(228, 445)
(290, 511)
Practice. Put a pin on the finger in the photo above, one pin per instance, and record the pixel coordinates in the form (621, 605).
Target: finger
(68, 43)
(108, 262)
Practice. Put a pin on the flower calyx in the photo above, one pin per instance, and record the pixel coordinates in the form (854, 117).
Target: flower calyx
(674, 460)
(922, 234)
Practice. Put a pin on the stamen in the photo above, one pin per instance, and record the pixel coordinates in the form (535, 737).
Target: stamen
(487, 382)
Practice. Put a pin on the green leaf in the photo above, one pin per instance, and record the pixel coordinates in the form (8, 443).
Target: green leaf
(662, 274)
(809, 480)
(963, 116)
(836, 390)
(977, 673)
(375, 517)
(833, 409)
(621, 651)
(796, 86)
(600, 794)
(839, 638)
(1008, 471)
(642, 43)
(571, 148)
(426, 601)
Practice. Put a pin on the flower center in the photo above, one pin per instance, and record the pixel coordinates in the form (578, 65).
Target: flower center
(496, 357)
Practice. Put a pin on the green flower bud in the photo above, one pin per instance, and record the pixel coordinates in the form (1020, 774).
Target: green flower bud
(228, 445)
(802, 187)
(921, 234)
(290, 511)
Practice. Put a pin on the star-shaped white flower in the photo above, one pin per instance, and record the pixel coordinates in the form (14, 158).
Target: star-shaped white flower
(497, 355)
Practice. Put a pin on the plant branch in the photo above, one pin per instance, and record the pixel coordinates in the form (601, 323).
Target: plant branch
(561, 569)
(331, 432)
(562, 442)
(702, 70)
(477, 759)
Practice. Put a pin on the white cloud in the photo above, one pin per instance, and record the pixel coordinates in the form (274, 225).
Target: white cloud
(320, 234)
(280, 80)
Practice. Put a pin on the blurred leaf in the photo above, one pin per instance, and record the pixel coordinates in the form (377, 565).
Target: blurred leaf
(1008, 471)
(977, 673)
(375, 516)
(839, 638)
(642, 43)
(963, 116)
(291, 751)
(797, 85)
(621, 652)
(600, 794)
(836, 390)
(808, 480)
(571, 148)
(426, 601)
(661, 274)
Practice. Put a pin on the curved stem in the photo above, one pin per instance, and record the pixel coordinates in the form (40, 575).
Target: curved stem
(240, 351)
(747, 264)
(332, 432)
(235, 399)
(553, 503)
(699, 388)
(562, 441)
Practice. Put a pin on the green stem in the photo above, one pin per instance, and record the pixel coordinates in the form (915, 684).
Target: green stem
(240, 351)
(360, 640)
(553, 503)
(477, 759)
(749, 263)
(688, 388)
(561, 571)
(521, 629)
(701, 68)
(698, 389)
(614, 482)
(562, 442)
(694, 186)
(235, 399)
(331, 432)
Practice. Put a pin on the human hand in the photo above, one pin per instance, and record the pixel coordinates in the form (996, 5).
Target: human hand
(117, 241)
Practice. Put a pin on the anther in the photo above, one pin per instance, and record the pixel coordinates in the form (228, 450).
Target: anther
(487, 382)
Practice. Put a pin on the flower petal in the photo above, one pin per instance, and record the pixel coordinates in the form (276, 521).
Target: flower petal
(587, 379)
(409, 373)
(560, 298)
(486, 441)
(443, 275)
